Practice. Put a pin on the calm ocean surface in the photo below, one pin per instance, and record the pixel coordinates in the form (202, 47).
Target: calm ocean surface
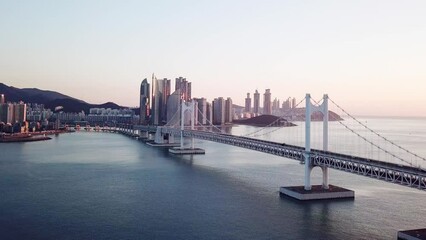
(107, 186)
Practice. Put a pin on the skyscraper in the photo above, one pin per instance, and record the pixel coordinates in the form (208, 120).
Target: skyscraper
(160, 94)
(229, 111)
(209, 113)
(2, 98)
(13, 112)
(3, 112)
(247, 107)
(144, 102)
(173, 108)
(185, 88)
(267, 108)
(293, 103)
(275, 105)
(286, 104)
(256, 102)
(202, 110)
(218, 111)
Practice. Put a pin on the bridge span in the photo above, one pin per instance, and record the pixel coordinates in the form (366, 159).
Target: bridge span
(406, 175)
(385, 171)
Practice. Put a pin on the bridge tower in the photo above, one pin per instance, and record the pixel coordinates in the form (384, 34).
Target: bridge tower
(187, 107)
(310, 108)
(190, 107)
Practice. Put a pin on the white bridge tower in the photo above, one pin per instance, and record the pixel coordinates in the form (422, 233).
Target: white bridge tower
(310, 108)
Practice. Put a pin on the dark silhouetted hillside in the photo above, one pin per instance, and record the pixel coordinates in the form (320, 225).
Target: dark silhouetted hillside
(50, 99)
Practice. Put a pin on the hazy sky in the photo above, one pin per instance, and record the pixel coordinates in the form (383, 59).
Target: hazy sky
(369, 56)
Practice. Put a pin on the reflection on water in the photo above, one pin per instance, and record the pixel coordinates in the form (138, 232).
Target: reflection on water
(107, 186)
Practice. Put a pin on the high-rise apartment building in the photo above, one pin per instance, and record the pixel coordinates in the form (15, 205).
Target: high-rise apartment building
(256, 102)
(173, 108)
(267, 108)
(209, 113)
(13, 112)
(247, 107)
(3, 112)
(160, 94)
(202, 110)
(229, 111)
(275, 105)
(144, 102)
(218, 111)
(185, 88)
(286, 104)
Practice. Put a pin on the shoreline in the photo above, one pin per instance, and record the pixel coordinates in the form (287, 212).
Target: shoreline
(28, 137)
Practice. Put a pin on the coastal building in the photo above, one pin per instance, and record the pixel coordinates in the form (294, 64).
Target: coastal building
(267, 108)
(209, 113)
(229, 112)
(13, 112)
(218, 111)
(101, 116)
(3, 112)
(202, 110)
(286, 105)
(185, 88)
(276, 107)
(247, 107)
(173, 108)
(160, 94)
(256, 102)
(144, 102)
(37, 112)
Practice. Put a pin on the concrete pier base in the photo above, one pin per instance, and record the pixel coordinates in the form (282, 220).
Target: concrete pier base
(317, 192)
(416, 234)
(186, 151)
(154, 144)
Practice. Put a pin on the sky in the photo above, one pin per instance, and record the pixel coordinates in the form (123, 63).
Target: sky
(367, 55)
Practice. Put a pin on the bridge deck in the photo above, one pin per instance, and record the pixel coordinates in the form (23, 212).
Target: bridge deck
(389, 172)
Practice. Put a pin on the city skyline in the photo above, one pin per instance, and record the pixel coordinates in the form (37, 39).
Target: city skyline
(366, 55)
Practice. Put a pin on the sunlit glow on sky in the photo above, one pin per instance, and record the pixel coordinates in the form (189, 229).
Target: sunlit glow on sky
(369, 56)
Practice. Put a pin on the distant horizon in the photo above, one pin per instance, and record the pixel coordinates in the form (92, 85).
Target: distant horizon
(209, 100)
(367, 55)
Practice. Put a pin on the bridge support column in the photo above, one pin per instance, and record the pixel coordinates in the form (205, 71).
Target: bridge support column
(325, 178)
(308, 191)
(143, 134)
(162, 139)
(308, 170)
(182, 149)
(325, 139)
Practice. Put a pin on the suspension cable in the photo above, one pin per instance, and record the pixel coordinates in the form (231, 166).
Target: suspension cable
(377, 134)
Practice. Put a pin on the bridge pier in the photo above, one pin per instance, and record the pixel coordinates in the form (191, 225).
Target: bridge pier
(143, 134)
(182, 150)
(324, 191)
(162, 139)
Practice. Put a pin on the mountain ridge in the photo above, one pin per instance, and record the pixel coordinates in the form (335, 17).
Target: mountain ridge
(50, 99)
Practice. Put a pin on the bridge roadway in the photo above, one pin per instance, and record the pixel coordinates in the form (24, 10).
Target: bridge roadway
(389, 172)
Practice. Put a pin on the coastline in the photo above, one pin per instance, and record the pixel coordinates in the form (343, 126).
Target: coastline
(28, 137)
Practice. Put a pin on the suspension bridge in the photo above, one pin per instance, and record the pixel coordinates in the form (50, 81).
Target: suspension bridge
(398, 166)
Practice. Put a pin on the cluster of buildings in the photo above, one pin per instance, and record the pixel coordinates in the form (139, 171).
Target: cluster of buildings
(158, 105)
(31, 117)
(269, 107)
(12, 115)
(12, 112)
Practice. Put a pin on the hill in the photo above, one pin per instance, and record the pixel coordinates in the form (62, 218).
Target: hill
(50, 99)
